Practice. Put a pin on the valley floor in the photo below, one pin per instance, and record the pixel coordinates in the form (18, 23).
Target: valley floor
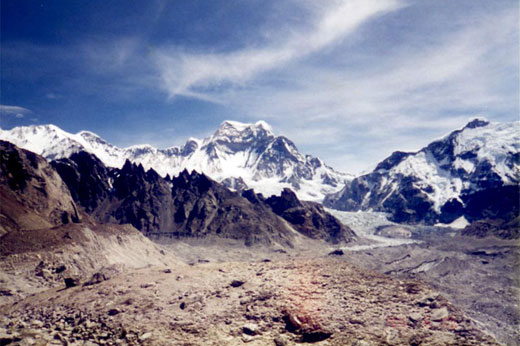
(481, 276)
(434, 289)
(322, 300)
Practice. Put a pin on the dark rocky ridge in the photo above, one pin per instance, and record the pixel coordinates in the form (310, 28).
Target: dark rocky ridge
(190, 205)
(87, 178)
(308, 218)
(204, 207)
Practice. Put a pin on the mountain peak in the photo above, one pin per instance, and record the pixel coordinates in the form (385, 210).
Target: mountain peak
(477, 122)
(85, 133)
(264, 125)
(235, 127)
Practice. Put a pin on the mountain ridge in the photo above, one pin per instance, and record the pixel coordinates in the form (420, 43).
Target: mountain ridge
(472, 172)
(251, 152)
(189, 205)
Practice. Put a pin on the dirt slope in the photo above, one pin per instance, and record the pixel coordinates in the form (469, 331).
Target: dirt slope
(35, 260)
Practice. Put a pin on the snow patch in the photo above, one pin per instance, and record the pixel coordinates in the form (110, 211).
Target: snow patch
(459, 223)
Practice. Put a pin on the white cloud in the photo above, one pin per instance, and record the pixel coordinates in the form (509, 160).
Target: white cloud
(416, 95)
(16, 111)
(397, 101)
(52, 96)
(192, 74)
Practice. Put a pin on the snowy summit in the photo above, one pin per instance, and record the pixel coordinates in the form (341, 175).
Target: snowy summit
(251, 153)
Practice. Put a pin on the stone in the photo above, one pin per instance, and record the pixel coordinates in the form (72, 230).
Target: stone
(292, 322)
(113, 312)
(415, 317)
(250, 329)
(440, 314)
(37, 323)
(236, 283)
(425, 300)
(148, 285)
(361, 343)
(145, 336)
(71, 282)
(337, 252)
(280, 341)
(247, 338)
(96, 279)
(60, 269)
(309, 329)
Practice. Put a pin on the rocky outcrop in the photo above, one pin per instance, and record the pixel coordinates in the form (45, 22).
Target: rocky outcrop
(308, 218)
(127, 195)
(235, 184)
(190, 205)
(87, 178)
(32, 194)
(204, 207)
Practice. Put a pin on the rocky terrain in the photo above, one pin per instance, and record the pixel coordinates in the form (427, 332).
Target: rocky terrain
(35, 260)
(493, 227)
(47, 239)
(473, 173)
(324, 301)
(478, 273)
(308, 218)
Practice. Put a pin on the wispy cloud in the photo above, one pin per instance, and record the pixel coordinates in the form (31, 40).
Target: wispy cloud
(52, 96)
(400, 101)
(16, 111)
(348, 80)
(192, 74)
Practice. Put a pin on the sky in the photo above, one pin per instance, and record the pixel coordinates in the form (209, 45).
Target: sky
(349, 81)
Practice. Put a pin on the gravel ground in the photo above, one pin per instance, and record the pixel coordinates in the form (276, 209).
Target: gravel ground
(322, 300)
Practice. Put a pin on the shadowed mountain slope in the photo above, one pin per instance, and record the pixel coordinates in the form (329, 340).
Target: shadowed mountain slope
(190, 205)
(32, 194)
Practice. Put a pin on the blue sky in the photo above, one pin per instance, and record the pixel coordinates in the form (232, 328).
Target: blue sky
(349, 81)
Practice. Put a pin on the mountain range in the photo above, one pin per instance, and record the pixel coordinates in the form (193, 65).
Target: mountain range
(473, 173)
(239, 155)
(36, 194)
(470, 174)
(54, 236)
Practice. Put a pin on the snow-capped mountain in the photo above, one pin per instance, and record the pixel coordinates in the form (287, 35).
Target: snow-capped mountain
(472, 172)
(236, 154)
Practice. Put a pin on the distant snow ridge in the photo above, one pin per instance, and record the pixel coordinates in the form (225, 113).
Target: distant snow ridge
(472, 172)
(237, 154)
